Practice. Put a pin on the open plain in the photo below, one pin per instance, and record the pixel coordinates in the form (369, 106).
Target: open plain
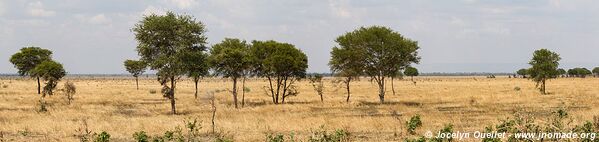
(113, 104)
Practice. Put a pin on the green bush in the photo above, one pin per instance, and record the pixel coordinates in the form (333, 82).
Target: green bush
(413, 123)
(280, 137)
(102, 137)
(140, 136)
(322, 135)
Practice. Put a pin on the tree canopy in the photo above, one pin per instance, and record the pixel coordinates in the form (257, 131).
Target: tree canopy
(381, 51)
(411, 71)
(51, 72)
(28, 58)
(544, 66)
(281, 63)
(163, 41)
(134, 67)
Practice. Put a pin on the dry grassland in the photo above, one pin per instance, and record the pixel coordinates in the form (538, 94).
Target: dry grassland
(115, 106)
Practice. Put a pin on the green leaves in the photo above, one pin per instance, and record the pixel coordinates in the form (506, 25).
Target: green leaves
(230, 58)
(544, 66)
(411, 71)
(50, 71)
(134, 67)
(271, 58)
(28, 58)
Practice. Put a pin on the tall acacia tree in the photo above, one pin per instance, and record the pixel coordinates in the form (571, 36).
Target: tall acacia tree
(230, 58)
(136, 68)
(51, 72)
(162, 42)
(196, 65)
(27, 59)
(544, 66)
(347, 62)
(282, 64)
(385, 52)
(411, 71)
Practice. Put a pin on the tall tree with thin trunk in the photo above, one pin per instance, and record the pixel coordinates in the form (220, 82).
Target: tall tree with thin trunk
(51, 72)
(196, 65)
(318, 85)
(230, 58)
(282, 64)
(544, 66)
(411, 71)
(27, 59)
(383, 51)
(162, 42)
(346, 62)
(596, 71)
(136, 68)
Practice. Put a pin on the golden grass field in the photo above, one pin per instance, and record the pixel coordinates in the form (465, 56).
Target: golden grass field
(115, 106)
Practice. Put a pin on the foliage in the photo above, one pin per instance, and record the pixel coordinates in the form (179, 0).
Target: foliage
(280, 137)
(579, 72)
(141, 136)
(102, 137)
(322, 135)
(411, 71)
(28, 58)
(596, 70)
(522, 72)
(380, 51)
(413, 123)
(318, 85)
(51, 72)
(163, 41)
(134, 67)
(69, 90)
(230, 59)
(447, 129)
(281, 63)
(544, 66)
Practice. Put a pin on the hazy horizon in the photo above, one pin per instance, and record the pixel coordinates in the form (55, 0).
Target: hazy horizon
(94, 37)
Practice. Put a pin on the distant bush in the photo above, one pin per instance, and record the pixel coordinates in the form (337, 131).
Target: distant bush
(4, 86)
(69, 90)
(152, 91)
(517, 88)
(413, 123)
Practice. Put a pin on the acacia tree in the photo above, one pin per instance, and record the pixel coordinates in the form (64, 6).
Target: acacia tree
(230, 59)
(196, 65)
(411, 71)
(596, 71)
(544, 66)
(561, 72)
(27, 59)
(282, 64)
(51, 72)
(162, 42)
(136, 68)
(346, 62)
(522, 72)
(385, 52)
(318, 85)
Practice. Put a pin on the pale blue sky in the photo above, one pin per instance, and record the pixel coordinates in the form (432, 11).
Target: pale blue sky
(454, 36)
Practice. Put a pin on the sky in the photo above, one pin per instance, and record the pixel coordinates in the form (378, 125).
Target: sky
(94, 37)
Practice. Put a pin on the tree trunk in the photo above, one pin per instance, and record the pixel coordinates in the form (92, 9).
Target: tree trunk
(235, 91)
(136, 83)
(382, 89)
(543, 87)
(347, 87)
(284, 90)
(243, 92)
(392, 86)
(195, 81)
(272, 92)
(172, 96)
(213, 112)
(39, 88)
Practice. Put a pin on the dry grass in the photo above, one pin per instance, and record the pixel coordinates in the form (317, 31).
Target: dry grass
(115, 106)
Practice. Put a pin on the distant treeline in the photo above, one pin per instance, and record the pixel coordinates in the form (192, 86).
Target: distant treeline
(323, 74)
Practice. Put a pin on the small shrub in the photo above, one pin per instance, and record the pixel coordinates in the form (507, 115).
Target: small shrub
(246, 89)
(140, 136)
(24, 133)
(102, 137)
(419, 139)
(447, 129)
(152, 91)
(322, 135)
(280, 137)
(5, 86)
(42, 106)
(69, 91)
(413, 123)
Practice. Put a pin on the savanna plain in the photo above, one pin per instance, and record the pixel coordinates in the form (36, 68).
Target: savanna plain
(114, 105)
